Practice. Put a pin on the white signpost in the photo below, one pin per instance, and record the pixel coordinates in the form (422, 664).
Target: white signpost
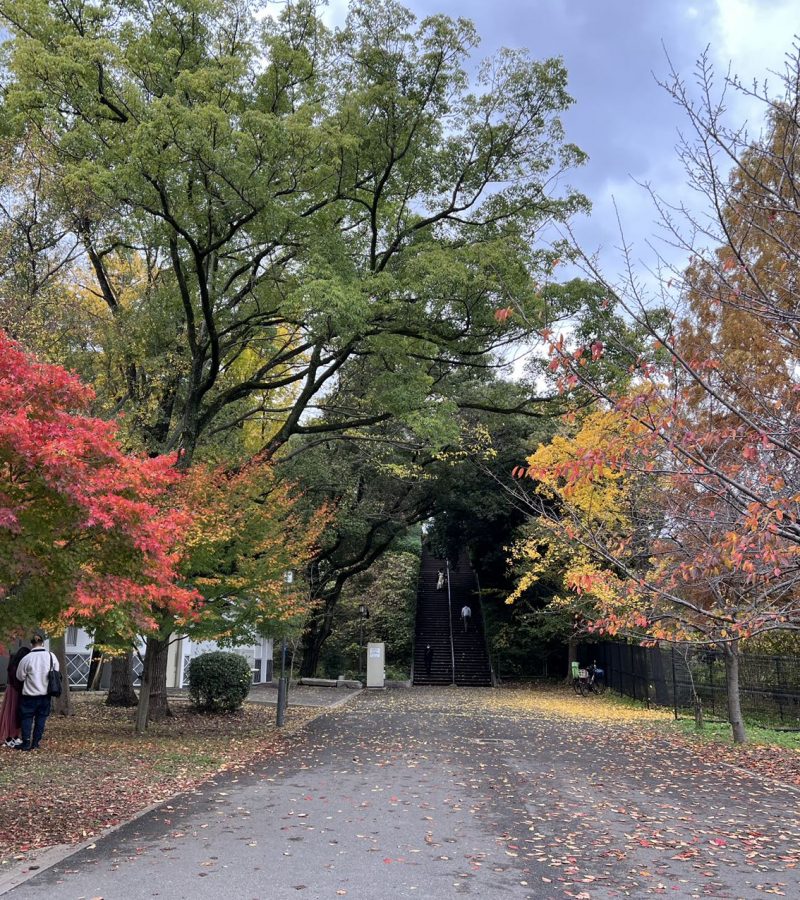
(376, 659)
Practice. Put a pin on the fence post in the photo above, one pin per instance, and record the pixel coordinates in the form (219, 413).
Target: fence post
(674, 686)
(646, 659)
(779, 692)
(711, 685)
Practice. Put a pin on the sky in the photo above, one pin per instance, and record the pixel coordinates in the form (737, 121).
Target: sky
(614, 51)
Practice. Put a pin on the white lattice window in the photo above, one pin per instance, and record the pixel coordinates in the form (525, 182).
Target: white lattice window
(137, 667)
(78, 668)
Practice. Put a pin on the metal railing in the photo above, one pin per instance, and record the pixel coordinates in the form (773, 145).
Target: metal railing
(450, 626)
(483, 625)
(769, 686)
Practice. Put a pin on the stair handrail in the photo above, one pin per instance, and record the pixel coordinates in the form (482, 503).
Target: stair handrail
(450, 624)
(416, 610)
(483, 622)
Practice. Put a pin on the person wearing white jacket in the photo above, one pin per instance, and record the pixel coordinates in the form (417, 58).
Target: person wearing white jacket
(34, 703)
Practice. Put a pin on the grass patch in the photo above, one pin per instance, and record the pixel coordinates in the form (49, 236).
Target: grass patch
(758, 734)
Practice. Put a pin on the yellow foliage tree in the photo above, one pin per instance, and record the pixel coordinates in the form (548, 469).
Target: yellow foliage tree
(597, 505)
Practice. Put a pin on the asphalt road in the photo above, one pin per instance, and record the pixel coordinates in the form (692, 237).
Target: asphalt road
(431, 793)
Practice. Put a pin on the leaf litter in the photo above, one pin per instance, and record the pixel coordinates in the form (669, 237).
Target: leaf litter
(94, 772)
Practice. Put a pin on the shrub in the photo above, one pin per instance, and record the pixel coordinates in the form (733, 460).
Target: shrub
(219, 681)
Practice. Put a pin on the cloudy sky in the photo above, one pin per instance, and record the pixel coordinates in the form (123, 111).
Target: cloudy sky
(614, 50)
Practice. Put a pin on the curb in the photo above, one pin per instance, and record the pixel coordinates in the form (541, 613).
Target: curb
(340, 700)
(47, 857)
(53, 855)
(775, 782)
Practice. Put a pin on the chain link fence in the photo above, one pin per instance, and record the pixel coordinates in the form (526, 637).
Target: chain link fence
(769, 686)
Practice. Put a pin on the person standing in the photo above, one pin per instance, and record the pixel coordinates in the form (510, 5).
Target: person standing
(9, 715)
(466, 614)
(428, 659)
(33, 672)
(439, 579)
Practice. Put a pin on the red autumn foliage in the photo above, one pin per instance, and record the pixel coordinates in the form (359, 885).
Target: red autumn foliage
(85, 531)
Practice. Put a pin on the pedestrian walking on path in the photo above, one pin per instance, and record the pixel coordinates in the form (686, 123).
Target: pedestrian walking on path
(33, 671)
(440, 580)
(428, 659)
(466, 614)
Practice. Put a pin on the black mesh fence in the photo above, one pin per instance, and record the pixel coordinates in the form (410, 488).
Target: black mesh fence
(769, 686)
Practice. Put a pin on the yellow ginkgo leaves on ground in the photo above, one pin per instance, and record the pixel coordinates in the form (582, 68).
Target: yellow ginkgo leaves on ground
(564, 703)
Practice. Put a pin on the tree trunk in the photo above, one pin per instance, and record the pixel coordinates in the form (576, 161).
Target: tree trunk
(699, 722)
(153, 705)
(121, 692)
(62, 705)
(157, 648)
(94, 670)
(317, 631)
(143, 707)
(572, 656)
(731, 652)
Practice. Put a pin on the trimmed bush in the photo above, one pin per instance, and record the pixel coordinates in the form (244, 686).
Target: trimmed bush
(219, 681)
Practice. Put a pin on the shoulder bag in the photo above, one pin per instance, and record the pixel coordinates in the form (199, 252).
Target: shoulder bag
(53, 681)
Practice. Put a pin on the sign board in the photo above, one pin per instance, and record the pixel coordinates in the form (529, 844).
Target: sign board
(376, 657)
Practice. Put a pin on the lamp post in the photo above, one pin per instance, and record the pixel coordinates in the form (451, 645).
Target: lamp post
(283, 685)
(363, 613)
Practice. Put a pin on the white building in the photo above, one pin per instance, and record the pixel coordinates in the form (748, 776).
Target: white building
(181, 652)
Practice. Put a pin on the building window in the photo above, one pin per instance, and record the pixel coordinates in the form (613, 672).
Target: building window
(78, 668)
(137, 667)
(71, 639)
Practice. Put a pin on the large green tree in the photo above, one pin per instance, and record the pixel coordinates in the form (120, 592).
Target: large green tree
(267, 229)
(262, 205)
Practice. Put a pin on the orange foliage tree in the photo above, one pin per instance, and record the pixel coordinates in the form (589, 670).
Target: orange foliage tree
(711, 414)
(249, 529)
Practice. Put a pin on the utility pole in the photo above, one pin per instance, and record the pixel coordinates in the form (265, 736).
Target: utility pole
(281, 716)
(363, 614)
(283, 684)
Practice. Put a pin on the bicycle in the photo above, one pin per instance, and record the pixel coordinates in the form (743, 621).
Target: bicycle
(588, 681)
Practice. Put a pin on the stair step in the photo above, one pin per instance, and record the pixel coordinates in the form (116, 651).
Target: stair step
(439, 615)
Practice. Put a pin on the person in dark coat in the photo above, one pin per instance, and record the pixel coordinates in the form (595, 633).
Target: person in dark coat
(428, 659)
(10, 732)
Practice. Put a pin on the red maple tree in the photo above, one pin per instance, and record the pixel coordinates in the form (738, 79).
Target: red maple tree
(86, 533)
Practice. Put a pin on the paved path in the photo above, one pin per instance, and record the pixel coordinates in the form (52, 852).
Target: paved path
(303, 695)
(431, 794)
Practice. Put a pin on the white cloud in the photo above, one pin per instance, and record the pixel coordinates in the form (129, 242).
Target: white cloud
(754, 37)
(335, 13)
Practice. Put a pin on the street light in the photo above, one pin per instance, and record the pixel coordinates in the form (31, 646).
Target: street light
(363, 613)
(283, 685)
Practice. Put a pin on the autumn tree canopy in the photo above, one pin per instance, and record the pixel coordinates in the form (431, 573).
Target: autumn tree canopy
(86, 532)
(710, 415)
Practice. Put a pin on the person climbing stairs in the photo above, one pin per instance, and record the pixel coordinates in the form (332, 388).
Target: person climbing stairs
(439, 615)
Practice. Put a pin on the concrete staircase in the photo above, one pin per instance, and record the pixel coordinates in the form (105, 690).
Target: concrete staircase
(435, 620)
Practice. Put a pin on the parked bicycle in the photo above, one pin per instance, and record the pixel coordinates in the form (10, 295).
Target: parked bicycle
(588, 681)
